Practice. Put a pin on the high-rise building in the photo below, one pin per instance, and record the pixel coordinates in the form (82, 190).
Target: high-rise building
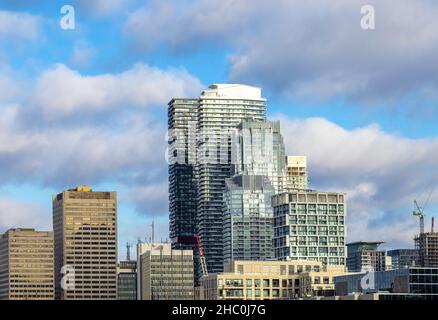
(221, 108)
(165, 273)
(365, 254)
(85, 231)
(182, 115)
(427, 246)
(127, 280)
(248, 218)
(310, 225)
(402, 258)
(26, 265)
(296, 172)
(260, 151)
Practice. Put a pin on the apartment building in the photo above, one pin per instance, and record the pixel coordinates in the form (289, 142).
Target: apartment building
(310, 225)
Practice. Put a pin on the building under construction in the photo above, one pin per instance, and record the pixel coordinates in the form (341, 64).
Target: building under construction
(427, 246)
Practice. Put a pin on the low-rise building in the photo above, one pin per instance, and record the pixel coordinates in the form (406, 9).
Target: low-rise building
(402, 258)
(415, 281)
(365, 255)
(127, 280)
(267, 280)
(165, 273)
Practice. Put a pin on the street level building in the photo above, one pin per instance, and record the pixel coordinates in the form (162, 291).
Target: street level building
(269, 280)
(413, 281)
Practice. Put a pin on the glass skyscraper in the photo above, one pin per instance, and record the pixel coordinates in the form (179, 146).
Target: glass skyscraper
(260, 151)
(248, 218)
(182, 115)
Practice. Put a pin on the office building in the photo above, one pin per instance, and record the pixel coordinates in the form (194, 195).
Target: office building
(165, 273)
(248, 218)
(310, 225)
(427, 246)
(26, 265)
(259, 150)
(363, 255)
(85, 231)
(127, 280)
(182, 115)
(296, 173)
(269, 280)
(402, 258)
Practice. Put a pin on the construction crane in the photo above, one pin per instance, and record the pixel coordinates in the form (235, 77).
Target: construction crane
(201, 255)
(418, 212)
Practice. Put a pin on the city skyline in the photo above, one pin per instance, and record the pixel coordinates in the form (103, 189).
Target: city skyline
(82, 108)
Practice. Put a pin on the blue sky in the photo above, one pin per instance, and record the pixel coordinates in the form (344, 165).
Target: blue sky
(88, 106)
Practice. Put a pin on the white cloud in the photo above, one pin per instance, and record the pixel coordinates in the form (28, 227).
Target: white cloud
(61, 91)
(18, 25)
(311, 49)
(17, 213)
(382, 173)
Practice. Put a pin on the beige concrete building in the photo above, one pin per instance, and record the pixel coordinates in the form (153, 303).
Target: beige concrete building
(267, 280)
(165, 273)
(296, 174)
(85, 231)
(26, 265)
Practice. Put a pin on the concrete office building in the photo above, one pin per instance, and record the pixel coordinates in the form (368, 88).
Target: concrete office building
(259, 150)
(296, 173)
(165, 273)
(427, 246)
(182, 121)
(248, 218)
(365, 254)
(402, 258)
(268, 280)
(26, 265)
(127, 280)
(310, 225)
(85, 230)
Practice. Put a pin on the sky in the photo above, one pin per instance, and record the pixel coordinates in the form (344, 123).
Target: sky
(89, 105)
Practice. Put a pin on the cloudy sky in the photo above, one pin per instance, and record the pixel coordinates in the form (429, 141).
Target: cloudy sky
(88, 106)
